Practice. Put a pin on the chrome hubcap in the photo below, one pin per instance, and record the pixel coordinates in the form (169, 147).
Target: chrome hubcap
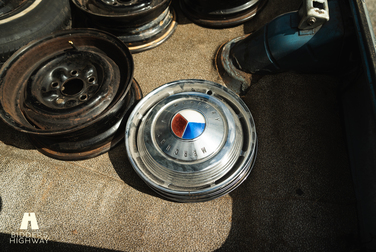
(191, 140)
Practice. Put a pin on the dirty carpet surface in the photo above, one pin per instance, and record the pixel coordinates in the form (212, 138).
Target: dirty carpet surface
(299, 196)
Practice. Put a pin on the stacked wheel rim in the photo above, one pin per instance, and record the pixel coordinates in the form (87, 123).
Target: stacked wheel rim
(222, 13)
(140, 24)
(191, 140)
(69, 91)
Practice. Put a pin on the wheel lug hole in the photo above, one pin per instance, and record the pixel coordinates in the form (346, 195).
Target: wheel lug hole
(83, 97)
(74, 72)
(54, 84)
(91, 79)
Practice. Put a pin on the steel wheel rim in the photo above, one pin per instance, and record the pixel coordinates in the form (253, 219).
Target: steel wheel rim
(140, 28)
(103, 8)
(39, 76)
(8, 92)
(222, 18)
(153, 34)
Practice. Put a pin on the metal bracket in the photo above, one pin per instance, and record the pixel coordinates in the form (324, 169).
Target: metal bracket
(313, 13)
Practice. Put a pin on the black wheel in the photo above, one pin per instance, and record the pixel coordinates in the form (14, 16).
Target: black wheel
(140, 24)
(22, 21)
(70, 91)
(220, 13)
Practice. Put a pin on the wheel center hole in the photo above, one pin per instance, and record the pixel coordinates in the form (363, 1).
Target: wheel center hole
(72, 87)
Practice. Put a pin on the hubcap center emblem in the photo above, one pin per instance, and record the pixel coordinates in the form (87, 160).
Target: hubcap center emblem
(188, 124)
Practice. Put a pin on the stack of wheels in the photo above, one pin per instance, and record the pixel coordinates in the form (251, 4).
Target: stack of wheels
(220, 13)
(22, 21)
(70, 91)
(140, 24)
(191, 140)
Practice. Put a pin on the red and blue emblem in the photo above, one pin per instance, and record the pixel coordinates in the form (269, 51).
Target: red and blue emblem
(188, 124)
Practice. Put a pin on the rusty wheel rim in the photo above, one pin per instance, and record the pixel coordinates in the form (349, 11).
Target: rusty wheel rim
(140, 24)
(68, 87)
(152, 34)
(221, 18)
